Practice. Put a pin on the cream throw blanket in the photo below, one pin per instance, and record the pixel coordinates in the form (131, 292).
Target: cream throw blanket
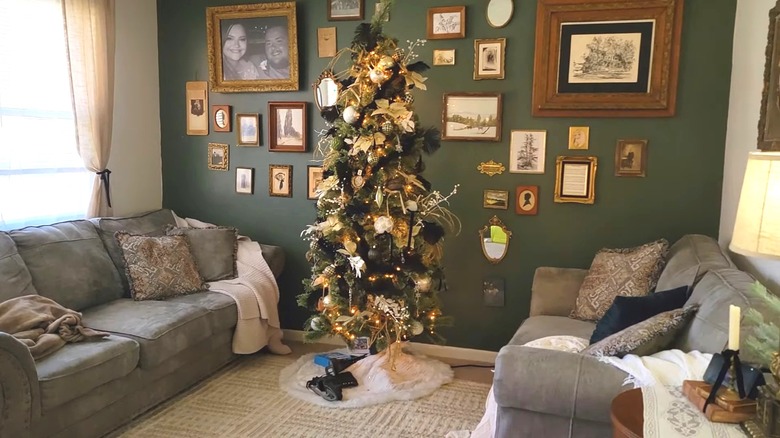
(256, 295)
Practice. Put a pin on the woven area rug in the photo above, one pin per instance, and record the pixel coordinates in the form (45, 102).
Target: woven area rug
(244, 400)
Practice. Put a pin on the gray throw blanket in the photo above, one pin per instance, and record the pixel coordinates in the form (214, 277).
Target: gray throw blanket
(43, 325)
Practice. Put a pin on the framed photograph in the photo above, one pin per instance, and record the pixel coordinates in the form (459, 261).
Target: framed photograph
(769, 115)
(218, 157)
(326, 42)
(280, 180)
(471, 117)
(343, 10)
(245, 180)
(314, 178)
(498, 199)
(196, 103)
(631, 158)
(252, 47)
(287, 126)
(446, 23)
(220, 117)
(527, 151)
(489, 58)
(527, 200)
(444, 57)
(493, 291)
(579, 137)
(575, 179)
(248, 129)
(613, 58)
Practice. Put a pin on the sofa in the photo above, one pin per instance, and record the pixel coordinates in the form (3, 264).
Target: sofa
(155, 348)
(561, 394)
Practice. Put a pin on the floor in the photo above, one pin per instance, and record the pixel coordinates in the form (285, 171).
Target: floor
(481, 374)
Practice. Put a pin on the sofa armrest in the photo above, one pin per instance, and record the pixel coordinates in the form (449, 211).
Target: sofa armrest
(559, 383)
(554, 290)
(19, 390)
(275, 257)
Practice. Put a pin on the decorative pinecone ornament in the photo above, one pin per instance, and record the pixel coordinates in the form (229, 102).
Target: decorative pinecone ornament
(387, 127)
(409, 98)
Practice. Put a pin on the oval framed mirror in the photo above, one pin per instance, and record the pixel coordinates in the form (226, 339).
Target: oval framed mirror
(326, 90)
(494, 240)
(499, 12)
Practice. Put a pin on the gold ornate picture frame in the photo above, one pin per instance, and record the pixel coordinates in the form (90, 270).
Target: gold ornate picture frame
(575, 179)
(218, 156)
(280, 180)
(489, 58)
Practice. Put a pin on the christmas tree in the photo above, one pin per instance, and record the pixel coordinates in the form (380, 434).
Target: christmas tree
(376, 246)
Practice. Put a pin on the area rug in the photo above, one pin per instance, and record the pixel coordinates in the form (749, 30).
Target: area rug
(244, 400)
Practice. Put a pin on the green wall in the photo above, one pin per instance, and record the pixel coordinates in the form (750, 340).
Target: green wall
(681, 193)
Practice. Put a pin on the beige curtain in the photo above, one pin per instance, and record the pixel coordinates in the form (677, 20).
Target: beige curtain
(89, 27)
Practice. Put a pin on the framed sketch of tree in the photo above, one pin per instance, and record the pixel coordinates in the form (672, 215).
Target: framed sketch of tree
(527, 151)
(612, 58)
(769, 120)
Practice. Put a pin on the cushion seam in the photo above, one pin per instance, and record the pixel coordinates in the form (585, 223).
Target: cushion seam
(138, 348)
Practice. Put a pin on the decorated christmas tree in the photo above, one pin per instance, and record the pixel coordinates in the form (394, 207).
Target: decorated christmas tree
(376, 246)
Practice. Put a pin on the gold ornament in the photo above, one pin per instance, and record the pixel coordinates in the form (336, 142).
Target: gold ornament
(422, 283)
(329, 271)
(385, 63)
(377, 76)
(387, 127)
(358, 181)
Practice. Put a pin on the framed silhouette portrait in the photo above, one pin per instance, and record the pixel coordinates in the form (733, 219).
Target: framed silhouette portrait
(527, 200)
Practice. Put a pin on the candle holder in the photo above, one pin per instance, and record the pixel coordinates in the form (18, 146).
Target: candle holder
(721, 364)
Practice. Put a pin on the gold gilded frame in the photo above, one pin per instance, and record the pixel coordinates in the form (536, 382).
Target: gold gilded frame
(501, 61)
(285, 191)
(214, 15)
(225, 154)
(486, 231)
(561, 165)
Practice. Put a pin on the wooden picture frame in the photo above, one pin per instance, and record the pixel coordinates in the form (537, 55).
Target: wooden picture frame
(459, 123)
(498, 199)
(280, 180)
(313, 179)
(769, 116)
(527, 151)
(489, 58)
(196, 104)
(527, 200)
(248, 129)
(641, 81)
(579, 137)
(446, 23)
(218, 156)
(575, 179)
(345, 10)
(245, 180)
(287, 126)
(631, 158)
(252, 47)
(221, 117)
(443, 56)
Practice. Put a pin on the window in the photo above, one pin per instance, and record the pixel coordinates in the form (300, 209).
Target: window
(42, 177)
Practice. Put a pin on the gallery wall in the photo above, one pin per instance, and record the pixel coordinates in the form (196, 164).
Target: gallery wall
(680, 194)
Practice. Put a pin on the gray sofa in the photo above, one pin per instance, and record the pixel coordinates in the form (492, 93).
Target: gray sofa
(155, 350)
(560, 394)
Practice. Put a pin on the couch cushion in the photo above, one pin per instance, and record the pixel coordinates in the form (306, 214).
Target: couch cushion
(69, 264)
(77, 368)
(537, 327)
(161, 328)
(214, 250)
(689, 259)
(223, 313)
(275, 257)
(14, 276)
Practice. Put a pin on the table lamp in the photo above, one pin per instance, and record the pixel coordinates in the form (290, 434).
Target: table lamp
(757, 227)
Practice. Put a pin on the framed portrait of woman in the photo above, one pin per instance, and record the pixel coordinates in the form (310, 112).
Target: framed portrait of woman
(252, 47)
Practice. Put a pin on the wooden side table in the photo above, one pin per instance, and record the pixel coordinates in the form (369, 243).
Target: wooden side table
(627, 414)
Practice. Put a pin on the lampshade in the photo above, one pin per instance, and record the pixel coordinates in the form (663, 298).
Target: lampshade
(757, 228)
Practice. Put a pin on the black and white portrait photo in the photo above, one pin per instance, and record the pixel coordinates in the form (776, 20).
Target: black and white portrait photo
(345, 9)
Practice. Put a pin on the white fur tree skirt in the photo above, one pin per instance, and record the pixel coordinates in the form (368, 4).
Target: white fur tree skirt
(415, 376)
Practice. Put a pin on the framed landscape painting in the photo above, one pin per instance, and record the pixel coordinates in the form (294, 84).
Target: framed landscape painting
(339, 10)
(287, 126)
(471, 117)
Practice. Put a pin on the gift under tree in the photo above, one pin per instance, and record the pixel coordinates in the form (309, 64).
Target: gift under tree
(376, 246)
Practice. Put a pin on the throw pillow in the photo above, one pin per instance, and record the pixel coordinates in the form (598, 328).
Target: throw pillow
(159, 267)
(630, 272)
(214, 250)
(572, 344)
(647, 337)
(627, 311)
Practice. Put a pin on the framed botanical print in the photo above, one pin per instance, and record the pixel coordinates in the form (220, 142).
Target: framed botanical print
(471, 117)
(280, 180)
(527, 150)
(446, 23)
(631, 158)
(287, 126)
(489, 58)
(575, 179)
(218, 156)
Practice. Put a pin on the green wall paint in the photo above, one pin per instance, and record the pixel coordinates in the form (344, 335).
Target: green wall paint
(681, 193)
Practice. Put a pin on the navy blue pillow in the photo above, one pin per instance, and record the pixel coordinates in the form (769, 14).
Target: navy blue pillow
(627, 311)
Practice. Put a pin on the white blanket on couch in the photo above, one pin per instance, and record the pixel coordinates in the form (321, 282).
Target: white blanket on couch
(256, 295)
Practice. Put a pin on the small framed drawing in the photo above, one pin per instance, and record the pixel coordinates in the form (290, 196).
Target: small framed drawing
(443, 56)
(218, 156)
(527, 200)
(343, 10)
(575, 179)
(579, 137)
(630, 158)
(493, 291)
(220, 117)
(314, 178)
(489, 58)
(498, 199)
(245, 180)
(446, 23)
(471, 117)
(287, 126)
(527, 151)
(197, 103)
(280, 180)
(326, 42)
(248, 129)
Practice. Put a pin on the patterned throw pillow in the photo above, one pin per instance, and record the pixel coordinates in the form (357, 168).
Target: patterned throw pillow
(630, 272)
(214, 250)
(159, 267)
(645, 338)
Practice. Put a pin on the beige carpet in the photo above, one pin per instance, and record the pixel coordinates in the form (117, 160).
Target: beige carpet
(244, 400)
